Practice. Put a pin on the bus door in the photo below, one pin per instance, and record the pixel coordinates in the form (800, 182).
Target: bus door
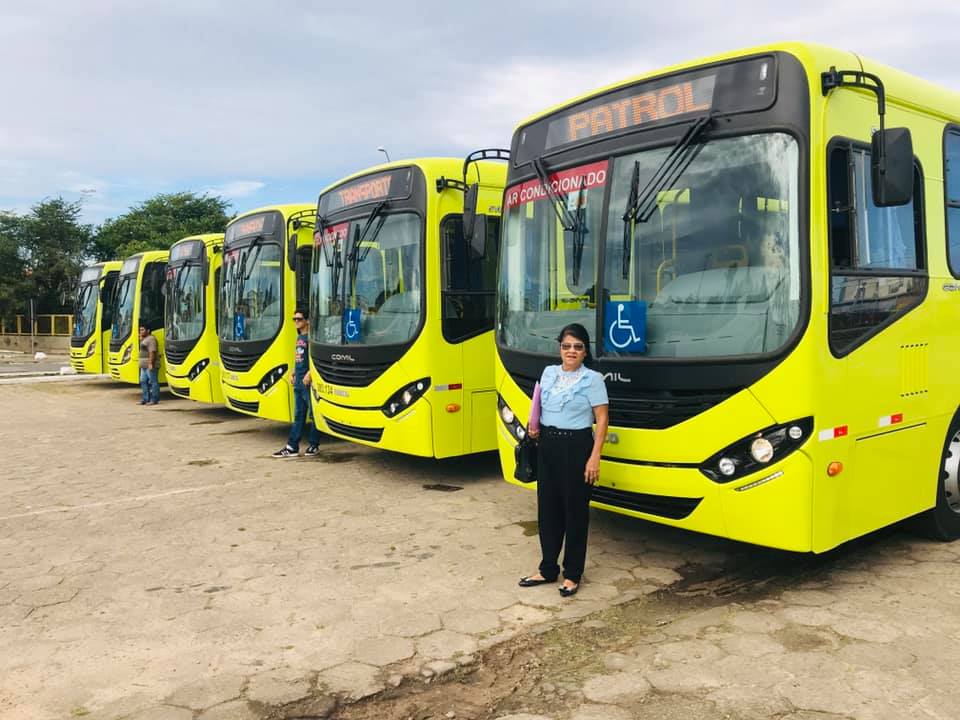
(304, 259)
(107, 286)
(877, 334)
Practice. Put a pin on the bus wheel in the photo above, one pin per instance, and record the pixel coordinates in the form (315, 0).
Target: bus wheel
(942, 522)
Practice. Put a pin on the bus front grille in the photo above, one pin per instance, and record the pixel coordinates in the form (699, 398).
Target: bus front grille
(651, 409)
(358, 433)
(349, 374)
(674, 508)
(238, 362)
(250, 407)
(175, 357)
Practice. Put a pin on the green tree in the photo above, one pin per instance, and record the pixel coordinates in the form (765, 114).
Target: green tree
(13, 283)
(52, 244)
(157, 223)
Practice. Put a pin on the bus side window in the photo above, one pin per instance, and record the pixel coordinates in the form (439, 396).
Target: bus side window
(468, 281)
(304, 258)
(877, 263)
(951, 178)
(109, 285)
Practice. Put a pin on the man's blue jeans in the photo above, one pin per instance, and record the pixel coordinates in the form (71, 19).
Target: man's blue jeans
(149, 385)
(301, 411)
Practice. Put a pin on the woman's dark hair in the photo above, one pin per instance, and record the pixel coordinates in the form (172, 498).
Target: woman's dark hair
(580, 333)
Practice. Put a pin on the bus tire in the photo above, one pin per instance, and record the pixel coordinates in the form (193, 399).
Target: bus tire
(942, 522)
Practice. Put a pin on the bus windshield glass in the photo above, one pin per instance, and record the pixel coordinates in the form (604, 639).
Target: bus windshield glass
(85, 312)
(365, 288)
(251, 292)
(184, 303)
(714, 269)
(125, 295)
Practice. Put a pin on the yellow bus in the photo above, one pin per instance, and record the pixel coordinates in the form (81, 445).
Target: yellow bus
(93, 317)
(264, 278)
(137, 300)
(402, 304)
(769, 272)
(190, 338)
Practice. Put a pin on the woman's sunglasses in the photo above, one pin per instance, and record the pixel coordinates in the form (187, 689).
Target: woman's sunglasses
(572, 346)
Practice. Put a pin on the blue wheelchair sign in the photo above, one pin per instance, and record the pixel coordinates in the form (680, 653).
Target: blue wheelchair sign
(351, 324)
(626, 326)
(239, 326)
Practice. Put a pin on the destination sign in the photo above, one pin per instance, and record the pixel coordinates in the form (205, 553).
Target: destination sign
(563, 183)
(188, 249)
(130, 266)
(390, 185)
(252, 225)
(742, 86)
(90, 274)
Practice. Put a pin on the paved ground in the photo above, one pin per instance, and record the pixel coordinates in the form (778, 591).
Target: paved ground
(156, 563)
(15, 363)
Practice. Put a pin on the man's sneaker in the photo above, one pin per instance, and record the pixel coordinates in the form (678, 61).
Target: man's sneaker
(143, 402)
(311, 451)
(285, 452)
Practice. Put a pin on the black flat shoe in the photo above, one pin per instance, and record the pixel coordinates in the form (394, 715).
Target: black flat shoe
(532, 582)
(569, 592)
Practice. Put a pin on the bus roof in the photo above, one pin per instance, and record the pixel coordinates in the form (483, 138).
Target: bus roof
(208, 239)
(150, 255)
(285, 209)
(432, 167)
(901, 87)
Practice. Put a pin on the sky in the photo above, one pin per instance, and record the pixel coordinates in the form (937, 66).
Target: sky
(268, 102)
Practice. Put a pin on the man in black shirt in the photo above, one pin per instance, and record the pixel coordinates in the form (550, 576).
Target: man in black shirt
(300, 379)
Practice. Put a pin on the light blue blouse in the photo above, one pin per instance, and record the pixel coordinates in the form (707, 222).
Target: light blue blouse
(572, 407)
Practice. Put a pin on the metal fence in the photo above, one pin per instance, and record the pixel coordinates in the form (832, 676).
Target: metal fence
(49, 325)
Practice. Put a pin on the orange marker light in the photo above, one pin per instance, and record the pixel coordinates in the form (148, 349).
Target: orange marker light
(453, 407)
(834, 468)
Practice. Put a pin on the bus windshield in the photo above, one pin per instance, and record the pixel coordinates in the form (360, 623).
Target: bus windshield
(251, 292)
(365, 289)
(715, 266)
(85, 312)
(123, 315)
(185, 302)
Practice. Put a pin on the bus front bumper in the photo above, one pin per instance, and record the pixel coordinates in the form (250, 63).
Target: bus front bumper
(772, 507)
(411, 432)
(275, 404)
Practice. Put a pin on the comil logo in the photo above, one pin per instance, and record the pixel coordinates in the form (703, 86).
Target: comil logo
(616, 377)
(342, 358)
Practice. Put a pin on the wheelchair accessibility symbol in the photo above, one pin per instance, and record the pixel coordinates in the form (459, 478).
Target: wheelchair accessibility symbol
(626, 326)
(351, 325)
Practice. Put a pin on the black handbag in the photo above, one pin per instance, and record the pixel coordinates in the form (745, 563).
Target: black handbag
(525, 457)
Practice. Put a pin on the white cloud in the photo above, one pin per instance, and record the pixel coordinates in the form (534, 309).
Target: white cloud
(236, 188)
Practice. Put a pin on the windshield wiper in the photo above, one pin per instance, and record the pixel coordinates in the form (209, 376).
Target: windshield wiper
(673, 166)
(359, 239)
(579, 233)
(568, 220)
(627, 246)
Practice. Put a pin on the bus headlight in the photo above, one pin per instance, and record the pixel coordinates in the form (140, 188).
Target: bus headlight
(92, 349)
(272, 378)
(126, 354)
(517, 431)
(197, 369)
(405, 397)
(757, 451)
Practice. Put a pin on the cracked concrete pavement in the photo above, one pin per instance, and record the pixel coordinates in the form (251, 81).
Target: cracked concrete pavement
(157, 563)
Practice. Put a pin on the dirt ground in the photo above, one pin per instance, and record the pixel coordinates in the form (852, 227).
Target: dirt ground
(157, 564)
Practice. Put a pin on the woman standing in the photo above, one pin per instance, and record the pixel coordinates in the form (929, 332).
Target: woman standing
(572, 398)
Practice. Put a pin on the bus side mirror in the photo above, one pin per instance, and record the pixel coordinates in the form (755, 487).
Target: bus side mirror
(891, 167)
(292, 251)
(470, 211)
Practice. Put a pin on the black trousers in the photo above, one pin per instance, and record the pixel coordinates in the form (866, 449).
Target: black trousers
(563, 500)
